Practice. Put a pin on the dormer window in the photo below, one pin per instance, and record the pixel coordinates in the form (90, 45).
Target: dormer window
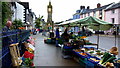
(113, 11)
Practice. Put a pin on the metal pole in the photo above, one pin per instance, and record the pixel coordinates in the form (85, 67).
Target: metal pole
(115, 35)
(98, 41)
(98, 37)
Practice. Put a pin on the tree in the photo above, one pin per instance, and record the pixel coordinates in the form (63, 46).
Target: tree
(6, 12)
(38, 22)
(17, 23)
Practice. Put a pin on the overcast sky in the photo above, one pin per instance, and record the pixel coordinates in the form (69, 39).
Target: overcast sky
(63, 9)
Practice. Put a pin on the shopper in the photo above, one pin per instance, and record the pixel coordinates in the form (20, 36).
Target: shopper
(57, 36)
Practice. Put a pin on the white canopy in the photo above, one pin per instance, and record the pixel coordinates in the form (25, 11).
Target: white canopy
(67, 22)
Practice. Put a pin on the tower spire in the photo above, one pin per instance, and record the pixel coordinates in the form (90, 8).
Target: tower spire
(49, 2)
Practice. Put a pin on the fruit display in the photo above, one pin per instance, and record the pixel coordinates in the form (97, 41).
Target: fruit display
(77, 50)
(94, 59)
(83, 54)
(86, 49)
(99, 53)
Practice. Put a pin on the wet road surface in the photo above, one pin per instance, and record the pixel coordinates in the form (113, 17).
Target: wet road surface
(50, 55)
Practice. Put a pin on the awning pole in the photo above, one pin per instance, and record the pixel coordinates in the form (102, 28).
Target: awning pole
(98, 41)
(98, 38)
(115, 35)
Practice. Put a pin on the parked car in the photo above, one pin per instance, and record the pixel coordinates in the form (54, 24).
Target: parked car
(88, 32)
(99, 32)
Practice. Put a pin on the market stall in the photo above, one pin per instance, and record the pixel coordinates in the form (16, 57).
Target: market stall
(95, 58)
(95, 24)
(90, 56)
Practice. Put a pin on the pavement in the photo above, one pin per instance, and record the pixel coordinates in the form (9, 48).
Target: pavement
(49, 55)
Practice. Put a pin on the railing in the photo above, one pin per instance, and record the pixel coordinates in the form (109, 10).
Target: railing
(7, 38)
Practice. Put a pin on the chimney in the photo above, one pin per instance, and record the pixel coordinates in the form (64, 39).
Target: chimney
(98, 5)
(83, 7)
(88, 7)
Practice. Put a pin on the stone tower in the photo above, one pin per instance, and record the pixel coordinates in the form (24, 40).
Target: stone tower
(49, 18)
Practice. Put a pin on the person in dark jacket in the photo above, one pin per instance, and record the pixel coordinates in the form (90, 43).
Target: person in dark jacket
(57, 36)
(65, 36)
(71, 35)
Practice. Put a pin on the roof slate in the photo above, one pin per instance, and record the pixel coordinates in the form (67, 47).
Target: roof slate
(83, 11)
(117, 5)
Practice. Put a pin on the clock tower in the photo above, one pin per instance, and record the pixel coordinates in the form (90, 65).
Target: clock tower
(49, 19)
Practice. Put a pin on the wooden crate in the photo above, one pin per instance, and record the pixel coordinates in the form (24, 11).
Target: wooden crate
(15, 54)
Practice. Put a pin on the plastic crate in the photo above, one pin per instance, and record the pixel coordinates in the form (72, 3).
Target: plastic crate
(49, 41)
(99, 66)
(89, 64)
(117, 65)
(82, 62)
(67, 47)
(94, 61)
(86, 56)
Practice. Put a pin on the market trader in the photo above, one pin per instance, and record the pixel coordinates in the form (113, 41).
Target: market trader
(65, 36)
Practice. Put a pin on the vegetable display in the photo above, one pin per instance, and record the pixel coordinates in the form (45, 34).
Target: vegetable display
(106, 58)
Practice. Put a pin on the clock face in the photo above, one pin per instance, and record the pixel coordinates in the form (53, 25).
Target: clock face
(49, 9)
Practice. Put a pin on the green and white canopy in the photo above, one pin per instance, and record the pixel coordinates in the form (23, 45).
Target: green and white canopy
(91, 22)
(94, 23)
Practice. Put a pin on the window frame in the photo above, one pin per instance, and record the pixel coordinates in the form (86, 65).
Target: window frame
(113, 11)
(113, 20)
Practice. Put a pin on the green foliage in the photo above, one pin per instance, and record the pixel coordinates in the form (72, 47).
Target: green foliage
(38, 22)
(17, 23)
(6, 12)
(28, 61)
